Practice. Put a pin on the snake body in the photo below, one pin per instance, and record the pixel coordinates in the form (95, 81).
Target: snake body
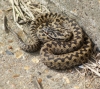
(65, 45)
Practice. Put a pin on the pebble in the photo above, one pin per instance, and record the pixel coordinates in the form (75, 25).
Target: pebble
(26, 67)
(66, 80)
(39, 80)
(35, 60)
(39, 73)
(18, 54)
(46, 71)
(10, 41)
(16, 75)
(1, 44)
(76, 87)
(2, 52)
(9, 52)
(1, 12)
(10, 47)
(49, 76)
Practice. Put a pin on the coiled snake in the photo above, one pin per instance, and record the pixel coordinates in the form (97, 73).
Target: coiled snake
(64, 43)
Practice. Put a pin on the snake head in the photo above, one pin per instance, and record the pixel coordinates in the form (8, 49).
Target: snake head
(57, 34)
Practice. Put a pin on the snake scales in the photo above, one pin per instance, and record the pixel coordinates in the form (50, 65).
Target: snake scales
(64, 43)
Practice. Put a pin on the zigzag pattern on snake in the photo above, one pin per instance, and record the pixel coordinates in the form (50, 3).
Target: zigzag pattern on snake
(65, 45)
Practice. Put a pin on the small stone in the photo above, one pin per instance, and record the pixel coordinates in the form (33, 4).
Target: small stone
(10, 47)
(74, 12)
(1, 44)
(16, 75)
(35, 60)
(18, 54)
(99, 1)
(26, 67)
(46, 71)
(21, 34)
(36, 82)
(76, 87)
(66, 80)
(49, 76)
(1, 54)
(10, 41)
(39, 73)
(9, 52)
(39, 80)
(1, 12)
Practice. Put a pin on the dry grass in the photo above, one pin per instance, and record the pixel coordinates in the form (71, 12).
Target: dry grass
(26, 10)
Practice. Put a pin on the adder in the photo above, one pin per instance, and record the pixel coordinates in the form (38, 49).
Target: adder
(65, 45)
